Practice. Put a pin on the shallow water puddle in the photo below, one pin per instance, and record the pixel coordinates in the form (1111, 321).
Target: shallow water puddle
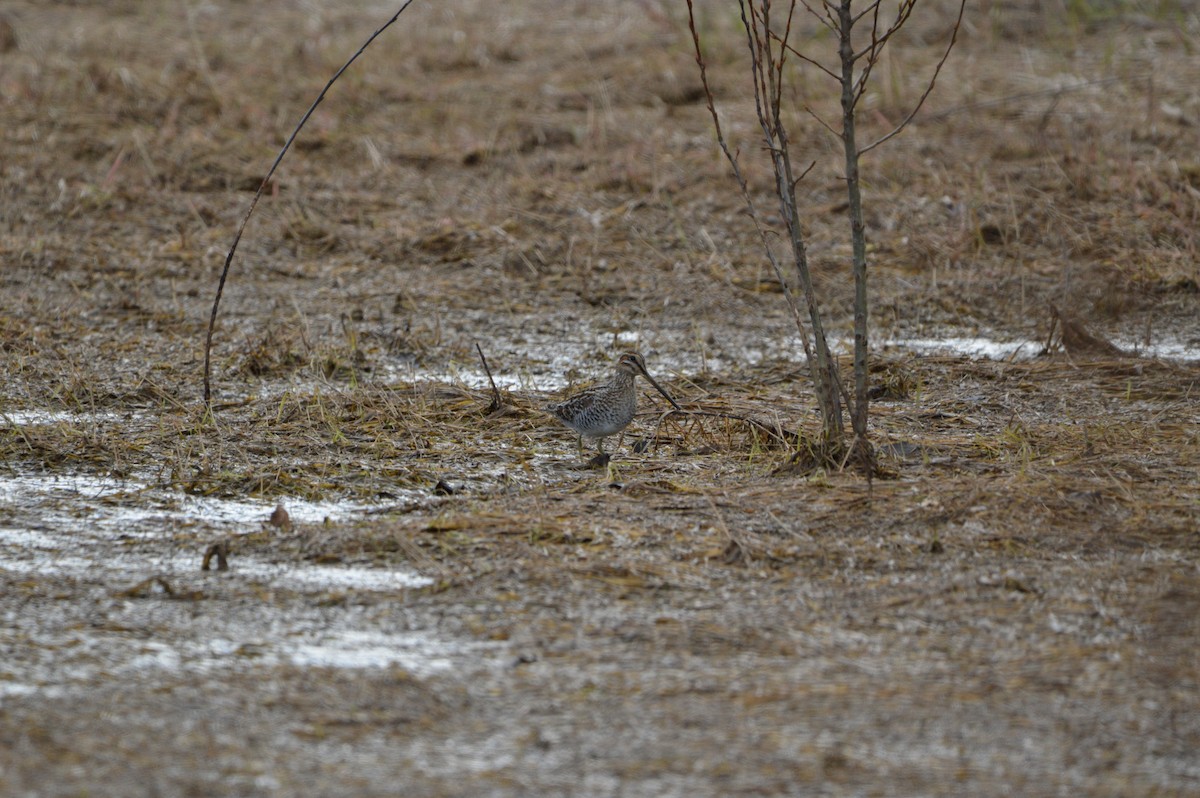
(24, 551)
(74, 524)
(330, 577)
(514, 372)
(133, 640)
(26, 418)
(86, 540)
(539, 363)
(102, 507)
(982, 348)
(417, 652)
(976, 348)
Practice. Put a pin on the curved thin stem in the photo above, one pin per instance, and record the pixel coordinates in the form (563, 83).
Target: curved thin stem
(212, 320)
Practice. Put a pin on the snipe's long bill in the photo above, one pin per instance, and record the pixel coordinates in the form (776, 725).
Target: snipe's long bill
(608, 408)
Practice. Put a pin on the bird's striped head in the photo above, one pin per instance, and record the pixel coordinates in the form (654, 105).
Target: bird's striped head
(633, 363)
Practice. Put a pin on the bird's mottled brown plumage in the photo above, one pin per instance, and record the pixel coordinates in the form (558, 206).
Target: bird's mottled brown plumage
(608, 408)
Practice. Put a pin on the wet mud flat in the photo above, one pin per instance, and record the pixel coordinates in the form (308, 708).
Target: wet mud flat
(450, 603)
(1007, 600)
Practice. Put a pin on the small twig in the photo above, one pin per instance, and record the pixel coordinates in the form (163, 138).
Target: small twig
(221, 552)
(822, 122)
(1053, 324)
(803, 175)
(212, 321)
(777, 432)
(872, 8)
(877, 41)
(736, 552)
(850, 453)
(142, 588)
(497, 402)
(807, 59)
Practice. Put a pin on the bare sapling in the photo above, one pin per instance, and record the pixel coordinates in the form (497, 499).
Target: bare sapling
(766, 70)
(768, 42)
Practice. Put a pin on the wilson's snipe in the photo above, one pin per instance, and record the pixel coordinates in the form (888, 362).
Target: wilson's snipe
(607, 409)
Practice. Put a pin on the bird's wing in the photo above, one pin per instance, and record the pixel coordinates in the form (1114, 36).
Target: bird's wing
(575, 405)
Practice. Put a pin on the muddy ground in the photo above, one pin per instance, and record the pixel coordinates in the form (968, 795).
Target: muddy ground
(452, 604)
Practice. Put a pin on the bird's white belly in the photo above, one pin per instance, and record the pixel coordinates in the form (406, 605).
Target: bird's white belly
(609, 425)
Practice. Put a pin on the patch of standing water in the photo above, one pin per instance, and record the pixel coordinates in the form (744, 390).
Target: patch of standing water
(95, 537)
(52, 524)
(105, 638)
(307, 645)
(525, 376)
(540, 363)
(971, 347)
(414, 652)
(990, 349)
(98, 506)
(526, 367)
(28, 418)
(36, 553)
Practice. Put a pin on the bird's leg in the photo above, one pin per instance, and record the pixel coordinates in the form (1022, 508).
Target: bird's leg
(601, 459)
(610, 474)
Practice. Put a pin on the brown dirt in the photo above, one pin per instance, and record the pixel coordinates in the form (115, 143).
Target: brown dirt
(1011, 609)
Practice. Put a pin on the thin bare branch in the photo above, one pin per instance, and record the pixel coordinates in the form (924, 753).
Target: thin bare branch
(765, 58)
(878, 42)
(767, 80)
(212, 320)
(755, 45)
(872, 51)
(783, 48)
(872, 8)
(812, 61)
(822, 122)
(928, 89)
(860, 84)
(761, 93)
(787, 29)
(833, 22)
(803, 175)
